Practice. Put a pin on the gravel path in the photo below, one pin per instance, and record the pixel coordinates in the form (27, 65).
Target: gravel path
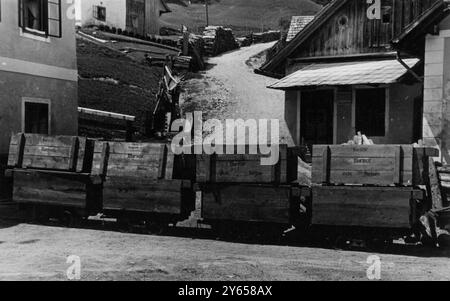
(230, 89)
(33, 252)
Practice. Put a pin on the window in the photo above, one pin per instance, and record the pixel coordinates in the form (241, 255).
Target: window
(370, 112)
(36, 117)
(100, 13)
(40, 17)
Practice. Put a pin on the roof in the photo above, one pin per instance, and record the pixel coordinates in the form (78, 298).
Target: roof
(166, 8)
(415, 30)
(298, 23)
(307, 31)
(349, 73)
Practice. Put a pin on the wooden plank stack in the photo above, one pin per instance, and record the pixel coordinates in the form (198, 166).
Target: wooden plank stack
(240, 188)
(369, 185)
(218, 40)
(143, 178)
(53, 170)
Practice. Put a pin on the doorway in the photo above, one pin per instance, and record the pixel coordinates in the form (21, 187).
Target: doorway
(316, 125)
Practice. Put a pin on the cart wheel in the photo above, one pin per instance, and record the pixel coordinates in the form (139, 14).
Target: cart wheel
(39, 215)
(124, 224)
(155, 228)
(340, 242)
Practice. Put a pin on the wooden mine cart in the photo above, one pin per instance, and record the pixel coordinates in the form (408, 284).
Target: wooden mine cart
(247, 168)
(144, 183)
(238, 189)
(52, 175)
(378, 186)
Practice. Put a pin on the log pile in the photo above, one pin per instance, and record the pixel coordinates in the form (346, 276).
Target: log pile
(265, 37)
(218, 40)
(196, 51)
(182, 62)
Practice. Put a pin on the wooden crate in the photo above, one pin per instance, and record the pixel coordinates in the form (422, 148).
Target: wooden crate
(246, 168)
(54, 170)
(150, 160)
(250, 203)
(141, 177)
(379, 207)
(63, 153)
(62, 189)
(381, 165)
(134, 194)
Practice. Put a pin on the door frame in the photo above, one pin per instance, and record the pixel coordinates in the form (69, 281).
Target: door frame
(299, 111)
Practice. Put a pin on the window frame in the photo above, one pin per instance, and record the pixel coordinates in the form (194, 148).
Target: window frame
(46, 101)
(386, 110)
(95, 12)
(45, 33)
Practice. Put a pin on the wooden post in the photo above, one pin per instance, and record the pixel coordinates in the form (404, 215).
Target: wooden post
(398, 166)
(162, 162)
(104, 159)
(207, 12)
(130, 130)
(326, 165)
(73, 158)
(185, 42)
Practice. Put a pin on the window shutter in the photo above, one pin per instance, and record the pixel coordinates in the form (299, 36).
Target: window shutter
(54, 19)
(95, 12)
(21, 14)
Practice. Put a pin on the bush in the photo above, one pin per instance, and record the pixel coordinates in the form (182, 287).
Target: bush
(119, 31)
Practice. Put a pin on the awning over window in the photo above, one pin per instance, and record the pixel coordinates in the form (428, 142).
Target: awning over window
(348, 73)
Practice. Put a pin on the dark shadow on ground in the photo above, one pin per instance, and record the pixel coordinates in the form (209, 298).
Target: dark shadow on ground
(297, 239)
(10, 215)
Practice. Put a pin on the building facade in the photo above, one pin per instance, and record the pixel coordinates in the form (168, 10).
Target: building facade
(38, 69)
(138, 16)
(429, 39)
(101, 12)
(342, 75)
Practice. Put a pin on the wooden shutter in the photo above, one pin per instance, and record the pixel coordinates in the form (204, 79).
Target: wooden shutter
(54, 18)
(21, 15)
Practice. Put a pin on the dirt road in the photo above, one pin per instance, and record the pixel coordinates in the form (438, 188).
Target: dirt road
(35, 252)
(230, 89)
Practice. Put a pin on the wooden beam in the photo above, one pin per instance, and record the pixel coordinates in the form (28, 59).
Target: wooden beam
(106, 114)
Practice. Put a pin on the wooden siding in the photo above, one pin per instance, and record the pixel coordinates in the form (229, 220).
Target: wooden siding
(135, 16)
(349, 31)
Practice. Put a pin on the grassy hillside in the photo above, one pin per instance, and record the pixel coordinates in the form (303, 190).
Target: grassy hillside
(242, 15)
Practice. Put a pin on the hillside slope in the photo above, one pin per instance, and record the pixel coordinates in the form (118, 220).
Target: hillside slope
(250, 15)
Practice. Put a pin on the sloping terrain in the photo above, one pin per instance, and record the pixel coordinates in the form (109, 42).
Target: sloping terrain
(112, 82)
(244, 15)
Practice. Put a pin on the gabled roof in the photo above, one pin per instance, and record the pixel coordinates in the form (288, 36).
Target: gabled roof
(166, 8)
(309, 29)
(298, 23)
(348, 73)
(420, 28)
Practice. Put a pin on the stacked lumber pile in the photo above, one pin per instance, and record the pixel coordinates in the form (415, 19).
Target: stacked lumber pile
(265, 37)
(245, 41)
(218, 40)
(182, 62)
